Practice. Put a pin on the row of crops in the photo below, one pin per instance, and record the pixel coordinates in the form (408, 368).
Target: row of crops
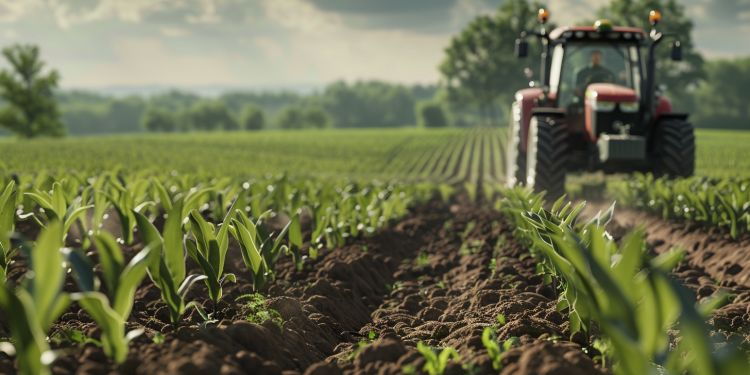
(620, 289)
(711, 202)
(476, 158)
(173, 215)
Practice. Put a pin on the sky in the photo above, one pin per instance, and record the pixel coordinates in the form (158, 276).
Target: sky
(284, 43)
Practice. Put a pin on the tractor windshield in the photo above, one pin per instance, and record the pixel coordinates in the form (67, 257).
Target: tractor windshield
(577, 64)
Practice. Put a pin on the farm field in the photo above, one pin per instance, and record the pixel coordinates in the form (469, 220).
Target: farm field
(344, 267)
(444, 155)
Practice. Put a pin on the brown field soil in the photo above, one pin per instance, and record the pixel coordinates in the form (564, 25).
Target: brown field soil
(363, 308)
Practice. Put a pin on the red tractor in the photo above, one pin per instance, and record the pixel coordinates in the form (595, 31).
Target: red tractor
(596, 108)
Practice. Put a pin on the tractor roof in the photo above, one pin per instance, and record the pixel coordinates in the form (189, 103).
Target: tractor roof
(560, 32)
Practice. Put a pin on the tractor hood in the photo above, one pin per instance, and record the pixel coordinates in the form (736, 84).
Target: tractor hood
(609, 92)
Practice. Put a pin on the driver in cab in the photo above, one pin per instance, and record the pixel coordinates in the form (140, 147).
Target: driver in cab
(594, 72)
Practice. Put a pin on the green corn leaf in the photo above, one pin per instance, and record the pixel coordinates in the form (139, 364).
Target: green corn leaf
(174, 250)
(189, 281)
(112, 323)
(48, 273)
(131, 277)
(212, 281)
(30, 341)
(84, 269)
(250, 254)
(111, 259)
(163, 195)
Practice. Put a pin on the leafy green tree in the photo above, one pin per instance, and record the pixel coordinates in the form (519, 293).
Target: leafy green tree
(721, 101)
(158, 120)
(316, 118)
(124, 115)
(431, 114)
(291, 117)
(208, 115)
(294, 117)
(680, 76)
(31, 109)
(368, 105)
(480, 68)
(252, 118)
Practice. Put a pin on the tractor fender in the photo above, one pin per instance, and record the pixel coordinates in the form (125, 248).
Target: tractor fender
(663, 105)
(526, 99)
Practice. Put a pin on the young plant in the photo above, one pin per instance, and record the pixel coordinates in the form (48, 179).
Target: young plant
(56, 207)
(168, 272)
(7, 225)
(209, 250)
(112, 312)
(437, 359)
(494, 349)
(37, 302)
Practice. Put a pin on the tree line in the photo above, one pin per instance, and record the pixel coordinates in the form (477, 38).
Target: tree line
(479, 76)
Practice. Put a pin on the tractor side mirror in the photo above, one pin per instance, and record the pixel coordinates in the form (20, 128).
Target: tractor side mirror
(676, 51)
(522, 48)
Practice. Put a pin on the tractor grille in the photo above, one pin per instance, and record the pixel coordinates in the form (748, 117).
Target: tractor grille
(621, 147)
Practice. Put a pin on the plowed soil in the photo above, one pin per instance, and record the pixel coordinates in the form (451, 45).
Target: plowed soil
(363, 308)
(360, 309)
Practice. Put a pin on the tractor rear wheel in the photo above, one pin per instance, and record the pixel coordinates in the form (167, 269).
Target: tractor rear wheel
(515, 159)
(674, 149)
(547, 156)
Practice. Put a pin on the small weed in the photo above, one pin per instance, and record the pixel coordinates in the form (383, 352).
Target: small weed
(398, 285)
(364, 247)
(441, 285)
(423, 260)
(74, 337)
(158, 338)
(258, 313)
(493, 267)
(371, 337)
(468, 229)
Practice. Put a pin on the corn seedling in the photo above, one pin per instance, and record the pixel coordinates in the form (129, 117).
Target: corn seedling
(494, 349)
(168, 272)
(437, 358)
(111, 311)
(7, 225)
(209, 250)
(37, 303)
(55, 207)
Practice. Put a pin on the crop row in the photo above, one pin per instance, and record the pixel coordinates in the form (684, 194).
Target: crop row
(723, 203)
(621, 289)
(200, 217)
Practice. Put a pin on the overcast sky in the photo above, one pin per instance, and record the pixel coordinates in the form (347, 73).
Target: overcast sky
(283, 43)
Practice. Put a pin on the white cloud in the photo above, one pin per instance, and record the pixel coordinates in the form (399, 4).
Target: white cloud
(300, 15)
(270, 48)
(174, 31)
(148, 61)
(12, 10)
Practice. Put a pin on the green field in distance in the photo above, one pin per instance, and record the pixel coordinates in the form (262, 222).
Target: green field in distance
(439, 154)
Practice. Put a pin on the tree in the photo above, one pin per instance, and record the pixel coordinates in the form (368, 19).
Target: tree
(679, 76)
(208, 115)
(721, 101)
(431, 114)
(31, 109)
(480, 67)
(252, 118)
(158, 120)
(316, 118)
(293, 117)
(368, 105)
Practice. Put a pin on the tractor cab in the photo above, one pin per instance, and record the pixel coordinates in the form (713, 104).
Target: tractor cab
(596, 108)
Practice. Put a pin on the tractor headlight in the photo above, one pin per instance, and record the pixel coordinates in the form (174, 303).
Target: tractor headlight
(603, 106)
(629, 107)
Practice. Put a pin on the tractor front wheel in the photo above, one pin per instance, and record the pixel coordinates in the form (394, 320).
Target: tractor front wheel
(547, 156)
(674, 149)
(515, 159)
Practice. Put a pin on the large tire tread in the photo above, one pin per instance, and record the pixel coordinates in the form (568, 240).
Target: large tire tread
(674, 149)
(551, 165)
